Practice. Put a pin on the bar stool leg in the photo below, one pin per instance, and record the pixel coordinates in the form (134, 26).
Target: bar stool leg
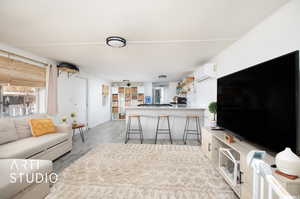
(128, 129)
(169, 130)
(187, 127)
(140, 130)
(81, 134)
(198, 129)
(157, 130)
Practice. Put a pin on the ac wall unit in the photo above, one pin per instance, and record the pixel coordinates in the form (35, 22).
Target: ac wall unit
(205, 71)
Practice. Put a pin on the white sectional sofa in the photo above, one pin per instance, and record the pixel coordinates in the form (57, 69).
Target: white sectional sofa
(21, 144)
(17, 187)
(17, 144)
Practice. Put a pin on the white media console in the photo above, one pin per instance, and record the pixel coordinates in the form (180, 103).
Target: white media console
(230, 160)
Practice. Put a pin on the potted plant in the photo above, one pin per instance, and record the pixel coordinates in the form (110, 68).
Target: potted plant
(73, 116)
(212, 108)
(64, 120)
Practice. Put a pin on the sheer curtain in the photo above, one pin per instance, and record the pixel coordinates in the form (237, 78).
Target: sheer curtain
(51, 90)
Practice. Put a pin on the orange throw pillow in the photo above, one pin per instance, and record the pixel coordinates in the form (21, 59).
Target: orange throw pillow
(41, 127)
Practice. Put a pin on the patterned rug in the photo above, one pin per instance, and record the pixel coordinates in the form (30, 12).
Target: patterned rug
(119, 171)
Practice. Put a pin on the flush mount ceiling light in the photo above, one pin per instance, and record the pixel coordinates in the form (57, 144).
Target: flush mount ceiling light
(162, 76)
(116, 42)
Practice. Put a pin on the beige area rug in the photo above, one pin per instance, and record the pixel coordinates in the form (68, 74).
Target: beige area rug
(138, 171)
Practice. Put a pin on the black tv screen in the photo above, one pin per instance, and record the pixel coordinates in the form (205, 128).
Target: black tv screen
(260, 103)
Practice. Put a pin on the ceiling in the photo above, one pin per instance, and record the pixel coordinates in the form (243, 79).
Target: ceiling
(164, 36)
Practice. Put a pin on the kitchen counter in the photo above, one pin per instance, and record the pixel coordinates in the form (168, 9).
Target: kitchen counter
(177, 115)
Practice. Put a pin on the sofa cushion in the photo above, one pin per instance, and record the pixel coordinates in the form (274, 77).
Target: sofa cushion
(22, 127)
(11, 182)
(41, 127)
(27, 147)
(7, 131)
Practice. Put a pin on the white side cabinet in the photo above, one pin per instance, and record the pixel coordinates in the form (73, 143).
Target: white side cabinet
(213, 141)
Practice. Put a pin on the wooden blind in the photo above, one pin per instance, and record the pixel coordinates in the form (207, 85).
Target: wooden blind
(18, 73)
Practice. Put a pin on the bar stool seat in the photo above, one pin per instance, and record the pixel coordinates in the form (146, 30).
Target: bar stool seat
(163, 131)
(134, 116)
(193, 116)
(130, 130)
(188, 131)
(163, 116)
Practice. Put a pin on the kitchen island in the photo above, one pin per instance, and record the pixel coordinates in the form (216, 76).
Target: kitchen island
(177, 114)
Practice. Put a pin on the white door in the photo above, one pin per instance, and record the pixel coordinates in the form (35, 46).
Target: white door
(72, 97)
(80, 99)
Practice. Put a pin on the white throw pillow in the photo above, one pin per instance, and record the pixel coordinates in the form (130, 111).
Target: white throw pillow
(22, 127)
(7, 131)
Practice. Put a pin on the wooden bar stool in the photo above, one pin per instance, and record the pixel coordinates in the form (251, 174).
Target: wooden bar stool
(138, 131)
(188, 131)
(163, 131)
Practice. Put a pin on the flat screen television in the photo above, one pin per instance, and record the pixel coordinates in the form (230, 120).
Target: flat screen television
(260, 104)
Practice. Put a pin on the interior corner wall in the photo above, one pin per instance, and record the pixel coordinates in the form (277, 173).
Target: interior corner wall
(277, 35)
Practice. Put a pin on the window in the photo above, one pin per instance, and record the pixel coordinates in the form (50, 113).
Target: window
(22, 87)
(20, 100)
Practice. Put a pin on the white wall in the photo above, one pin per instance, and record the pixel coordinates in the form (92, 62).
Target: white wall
(97, 112)
(72, 97)
(148, 88)
(42, 100)
(67, 95)
(171, 92)
(277, 35)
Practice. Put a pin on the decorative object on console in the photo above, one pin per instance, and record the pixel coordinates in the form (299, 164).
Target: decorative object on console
(229, 139)
(288, 162)
(212, 108)
(217, 128)
(291, 177)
